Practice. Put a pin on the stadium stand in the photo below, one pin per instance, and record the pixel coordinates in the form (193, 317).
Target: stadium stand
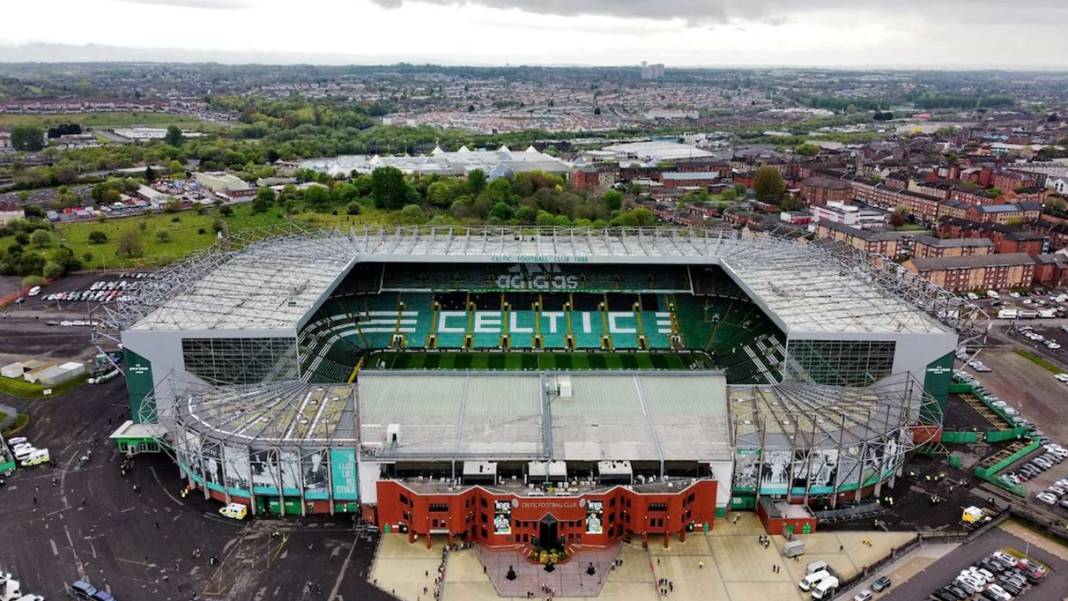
(420, 308)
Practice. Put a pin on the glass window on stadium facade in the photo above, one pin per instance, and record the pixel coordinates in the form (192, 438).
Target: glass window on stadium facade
(240, 360)
(843, 362)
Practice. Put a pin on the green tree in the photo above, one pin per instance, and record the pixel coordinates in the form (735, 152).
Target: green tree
(354, 208)
(768, 185)
(129, 244)
(265, 197)
(173, 136)
(27, 138)
(52, 270)
(97, 237)
(613, 199)
(226, 210)
(501, 211)
(389, 189)
(412, 214)
(441, 193)
(41, 239)
(163, 236)
(476, 182)
(317, 197)
(807, 150)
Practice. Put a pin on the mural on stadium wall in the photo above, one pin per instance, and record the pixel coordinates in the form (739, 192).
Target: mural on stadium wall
(814, 471)
(848, 467)
(315, 467)
(211, 465)
(775, 473)
(746, 469)
(237, 469)
(264, 467)
(290, 473)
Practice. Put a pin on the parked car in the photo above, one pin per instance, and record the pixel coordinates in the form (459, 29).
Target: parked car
(881, 584)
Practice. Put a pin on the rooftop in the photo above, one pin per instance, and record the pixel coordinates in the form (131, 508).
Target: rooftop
(289, 413)
(625, 416)
(276, 282)
(972, 261)
(953, 242)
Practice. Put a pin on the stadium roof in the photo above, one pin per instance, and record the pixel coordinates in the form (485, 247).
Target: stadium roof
(625, 416)
(522, 416)
(291, 413)
(813, 415)
(275, 282)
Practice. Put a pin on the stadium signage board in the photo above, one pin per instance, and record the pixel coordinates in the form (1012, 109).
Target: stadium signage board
(540, 259)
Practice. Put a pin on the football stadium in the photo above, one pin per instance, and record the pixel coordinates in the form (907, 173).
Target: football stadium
(551, 388)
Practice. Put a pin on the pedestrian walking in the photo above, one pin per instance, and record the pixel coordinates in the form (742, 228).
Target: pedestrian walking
(35, 500)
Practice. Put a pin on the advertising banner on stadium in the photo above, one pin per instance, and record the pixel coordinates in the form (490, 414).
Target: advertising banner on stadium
(237, 469)
(316, 475)
(502, 517)
(343, 472)
(594, 517)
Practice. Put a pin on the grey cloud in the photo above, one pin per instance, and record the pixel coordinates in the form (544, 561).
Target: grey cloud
(774, 12)
(203, 4)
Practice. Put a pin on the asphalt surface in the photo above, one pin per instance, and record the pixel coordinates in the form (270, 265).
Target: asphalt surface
(1053, 588)
(28, 335)
(963, 417)
(912, 509)
(84, 520)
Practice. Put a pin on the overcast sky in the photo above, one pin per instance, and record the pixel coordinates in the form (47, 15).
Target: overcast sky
(907, 33)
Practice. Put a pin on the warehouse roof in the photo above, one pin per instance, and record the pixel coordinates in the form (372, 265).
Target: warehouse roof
(277, 282)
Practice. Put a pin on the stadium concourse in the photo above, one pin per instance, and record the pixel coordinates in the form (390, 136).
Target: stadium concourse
(550, 390)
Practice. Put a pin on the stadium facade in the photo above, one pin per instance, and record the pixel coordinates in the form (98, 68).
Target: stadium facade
(541, 387)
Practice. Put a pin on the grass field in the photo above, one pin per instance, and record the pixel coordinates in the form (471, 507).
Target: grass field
(184, 231)
(538, 361)
(1039, 361)
(110, 120)
(18, 387)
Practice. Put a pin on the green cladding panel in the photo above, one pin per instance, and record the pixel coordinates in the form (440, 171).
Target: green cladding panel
(138, 383)
(938, 378)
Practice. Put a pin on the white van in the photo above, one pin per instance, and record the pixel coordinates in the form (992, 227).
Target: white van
(36, 458)
(24, 452)
(815, 566)
(825, 589)
(18, 440)
(813, 579)
(992, 294)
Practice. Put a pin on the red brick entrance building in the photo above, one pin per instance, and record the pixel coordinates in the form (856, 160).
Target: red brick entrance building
(497, 517)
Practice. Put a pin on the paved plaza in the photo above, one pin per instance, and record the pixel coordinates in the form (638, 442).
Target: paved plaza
(727, 563)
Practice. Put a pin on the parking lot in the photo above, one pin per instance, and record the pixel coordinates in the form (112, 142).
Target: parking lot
(1052, 588)
(85, 520)
(1050, 341)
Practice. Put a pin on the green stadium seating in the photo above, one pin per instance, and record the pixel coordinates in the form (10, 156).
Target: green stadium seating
(441, 307)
